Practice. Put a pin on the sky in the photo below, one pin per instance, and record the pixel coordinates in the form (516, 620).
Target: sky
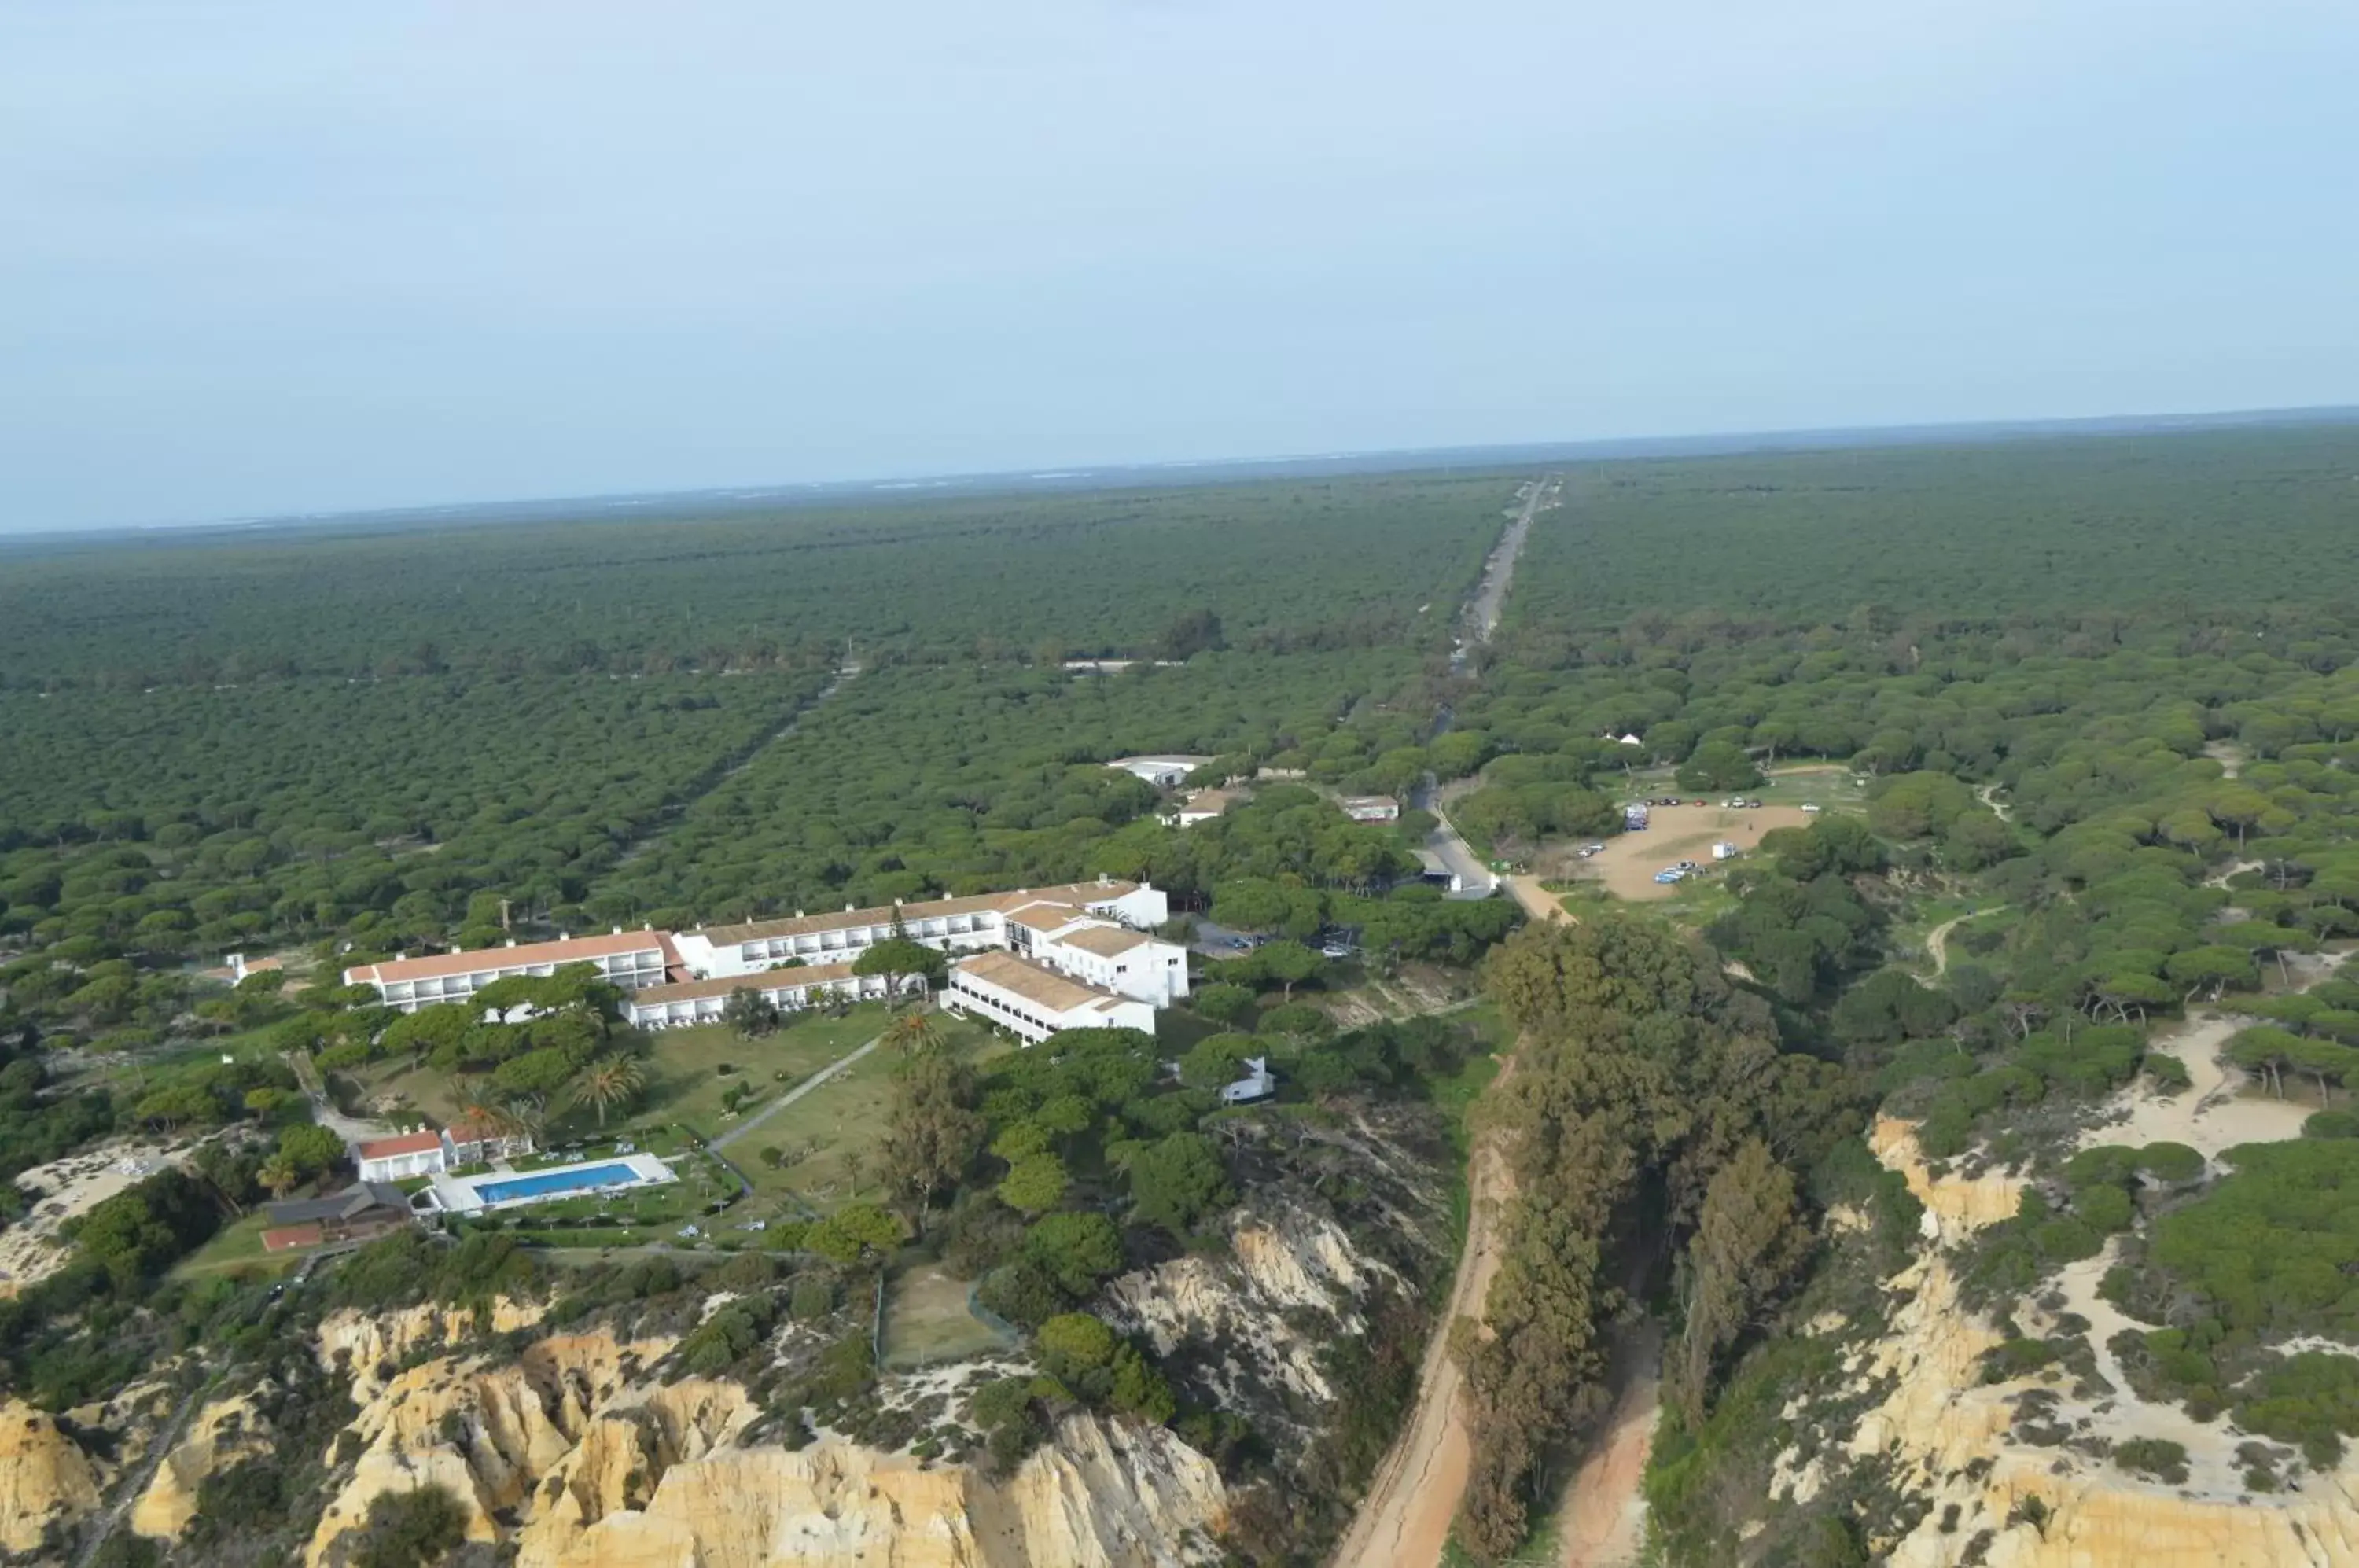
(265, 258)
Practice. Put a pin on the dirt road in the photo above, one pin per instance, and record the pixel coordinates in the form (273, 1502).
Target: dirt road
(1404, 1522)
(1537, 900)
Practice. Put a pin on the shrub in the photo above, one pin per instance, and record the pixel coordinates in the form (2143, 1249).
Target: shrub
(2164, 1460)
(411, 1530)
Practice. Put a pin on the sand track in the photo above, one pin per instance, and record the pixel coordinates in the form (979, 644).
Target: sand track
(1404, 1521)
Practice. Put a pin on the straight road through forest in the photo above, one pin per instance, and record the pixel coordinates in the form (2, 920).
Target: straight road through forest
(1404, 1521)
(1481, 620)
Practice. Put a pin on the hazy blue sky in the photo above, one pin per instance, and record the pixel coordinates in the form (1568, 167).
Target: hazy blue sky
(267, 258)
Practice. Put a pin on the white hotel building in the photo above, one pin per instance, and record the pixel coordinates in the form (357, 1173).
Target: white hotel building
(1035, 960)
(788, 990)
(1033, 1003)
(629, 959)
(955, 925)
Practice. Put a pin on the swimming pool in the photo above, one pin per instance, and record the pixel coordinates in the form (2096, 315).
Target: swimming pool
(546, 1183)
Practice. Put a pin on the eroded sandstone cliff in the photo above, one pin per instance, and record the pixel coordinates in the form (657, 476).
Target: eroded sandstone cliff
(45, 1480)
(583, 1460)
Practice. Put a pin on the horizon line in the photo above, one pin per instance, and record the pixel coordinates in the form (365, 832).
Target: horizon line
(1233, 469)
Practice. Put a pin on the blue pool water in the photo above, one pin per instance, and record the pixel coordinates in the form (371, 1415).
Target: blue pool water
(580, 1179)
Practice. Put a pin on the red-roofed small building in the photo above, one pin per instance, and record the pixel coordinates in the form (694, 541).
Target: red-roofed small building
(290, 1238)
(407, 1154)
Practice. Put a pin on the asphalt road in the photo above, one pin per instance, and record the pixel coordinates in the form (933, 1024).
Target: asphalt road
(1482, 613)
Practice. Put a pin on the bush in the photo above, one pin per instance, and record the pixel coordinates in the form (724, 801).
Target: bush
(1075, 1250)
(1220, 1002)
(411, 1530)
(2158, 1457)
(813, 1298)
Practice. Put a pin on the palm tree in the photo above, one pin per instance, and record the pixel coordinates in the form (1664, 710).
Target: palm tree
(610, 1080)
(526, 1115)
(911, 1032)
(475, 1106)
(278, 1174)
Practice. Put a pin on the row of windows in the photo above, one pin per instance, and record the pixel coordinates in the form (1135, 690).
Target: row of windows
(995, 1005)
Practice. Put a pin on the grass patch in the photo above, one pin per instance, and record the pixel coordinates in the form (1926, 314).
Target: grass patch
(826, 1139)
(684, 1084)
(926, 1319)
(235, 1248)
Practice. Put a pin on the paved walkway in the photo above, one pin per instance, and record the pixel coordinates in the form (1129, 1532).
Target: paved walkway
(825, 1076)
(351, 1129)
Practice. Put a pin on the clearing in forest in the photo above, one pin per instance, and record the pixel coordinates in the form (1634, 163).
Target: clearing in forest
(928, 1319)
(1628, 865)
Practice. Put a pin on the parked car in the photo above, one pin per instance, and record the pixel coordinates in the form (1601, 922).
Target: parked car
(1685, 866)
(1670, 876)
(1335, 950)
(1811, 806)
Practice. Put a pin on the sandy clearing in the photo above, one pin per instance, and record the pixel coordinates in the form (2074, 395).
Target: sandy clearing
(1404, 1521)
(2216, 1114)
(31, 1251)
(1628, 865)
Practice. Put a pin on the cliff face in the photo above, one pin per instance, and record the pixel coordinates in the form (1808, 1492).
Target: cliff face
(363, 1342)
(581, 1464)
(45, 1479)
(1099, 1496)
(1248, 1304)
(222, 1434)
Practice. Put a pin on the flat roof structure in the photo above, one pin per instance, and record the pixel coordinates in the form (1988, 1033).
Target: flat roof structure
(1072, 894)
(1043, 988)
(1106, 942)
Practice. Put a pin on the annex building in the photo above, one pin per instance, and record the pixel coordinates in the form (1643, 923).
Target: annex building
(1034, 1002)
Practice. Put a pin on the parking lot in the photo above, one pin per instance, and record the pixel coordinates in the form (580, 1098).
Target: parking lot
(1629, 861)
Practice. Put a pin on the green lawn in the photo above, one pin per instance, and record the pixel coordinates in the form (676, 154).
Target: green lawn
(684, 1084)
(827, 1137)
(236, 1248)
(926, 1319)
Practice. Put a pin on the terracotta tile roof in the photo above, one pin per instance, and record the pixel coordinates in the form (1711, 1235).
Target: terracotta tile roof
(1044, 987)
(477, 1132)
(1072, 894)
(404, 1143)
(1106, 942)
(573, 950)
(722, 984)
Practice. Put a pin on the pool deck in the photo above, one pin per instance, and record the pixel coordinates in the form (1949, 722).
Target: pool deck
(460, 1195)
